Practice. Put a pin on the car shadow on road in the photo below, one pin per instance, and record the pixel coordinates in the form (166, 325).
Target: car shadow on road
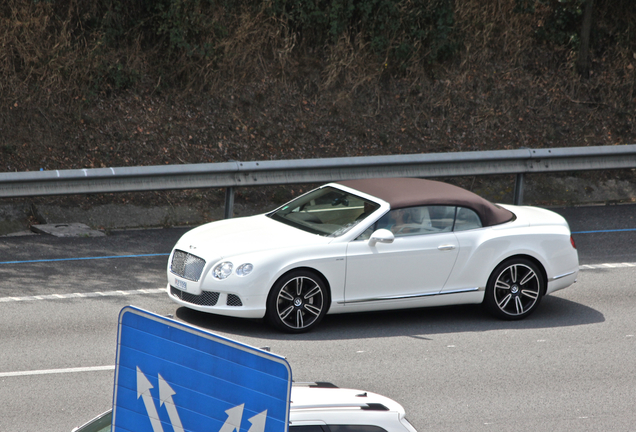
(552, 313)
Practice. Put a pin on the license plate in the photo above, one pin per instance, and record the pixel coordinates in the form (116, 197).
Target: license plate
(181, 284)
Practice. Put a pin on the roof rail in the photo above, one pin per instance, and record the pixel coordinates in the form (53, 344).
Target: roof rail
(360, 406)
(318, 384)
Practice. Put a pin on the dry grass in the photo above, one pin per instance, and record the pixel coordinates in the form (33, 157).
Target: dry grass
(267, 95)
(45, 51)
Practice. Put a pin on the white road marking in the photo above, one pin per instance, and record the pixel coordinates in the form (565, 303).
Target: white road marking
(606, 266)
(118, 293)
(57, 371)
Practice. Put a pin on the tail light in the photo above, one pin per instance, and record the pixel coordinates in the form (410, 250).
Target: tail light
(572, 241)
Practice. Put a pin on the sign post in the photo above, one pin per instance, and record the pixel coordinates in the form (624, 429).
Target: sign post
(170, 376)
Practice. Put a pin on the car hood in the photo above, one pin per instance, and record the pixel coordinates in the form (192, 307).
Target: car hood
(230, 237)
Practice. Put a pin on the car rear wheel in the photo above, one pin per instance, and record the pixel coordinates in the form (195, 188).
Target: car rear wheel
(297, 302)
(514, 289)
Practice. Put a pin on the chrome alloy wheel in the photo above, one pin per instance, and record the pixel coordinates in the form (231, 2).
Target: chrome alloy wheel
(517, 289)
(514, 289)
(300, 302)
(297, 302)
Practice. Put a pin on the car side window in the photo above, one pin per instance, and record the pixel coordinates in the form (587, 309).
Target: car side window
(308, 428)
(356, 428)
(466, 219)
(366, 235)
(411, 221)
(336, 428)
(442, 217)
(407, 221)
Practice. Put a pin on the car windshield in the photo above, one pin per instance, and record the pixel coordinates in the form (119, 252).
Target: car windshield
(326, 211)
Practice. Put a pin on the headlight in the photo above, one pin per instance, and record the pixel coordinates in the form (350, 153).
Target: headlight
(222, 270)
(244, 269)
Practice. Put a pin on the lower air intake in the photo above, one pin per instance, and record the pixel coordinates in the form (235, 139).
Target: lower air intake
(234, 300)
(206, 298)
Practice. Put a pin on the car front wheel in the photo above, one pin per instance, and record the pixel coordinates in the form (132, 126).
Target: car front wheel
(297, 302)
(514, 289)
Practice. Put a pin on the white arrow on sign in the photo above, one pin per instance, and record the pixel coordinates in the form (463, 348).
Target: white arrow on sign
(233, 422)
(143, 391)
(258, 422)
(165, 395)
(234, 415)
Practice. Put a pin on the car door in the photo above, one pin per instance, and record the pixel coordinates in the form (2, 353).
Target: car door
(417, 263)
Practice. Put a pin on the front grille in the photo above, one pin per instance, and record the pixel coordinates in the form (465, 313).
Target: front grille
(234, 300)
(207, 298)
(186, 265)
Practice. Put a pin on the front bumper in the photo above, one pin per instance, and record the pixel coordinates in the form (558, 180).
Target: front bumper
(220, 303)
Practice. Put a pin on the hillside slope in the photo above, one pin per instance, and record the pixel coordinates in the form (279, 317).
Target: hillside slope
(271, 97)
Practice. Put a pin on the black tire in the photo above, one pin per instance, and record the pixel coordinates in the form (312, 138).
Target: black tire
(514, 289)
(297, 302)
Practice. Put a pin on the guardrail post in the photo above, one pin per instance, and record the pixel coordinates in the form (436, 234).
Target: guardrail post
(518, 196)
(229, 203)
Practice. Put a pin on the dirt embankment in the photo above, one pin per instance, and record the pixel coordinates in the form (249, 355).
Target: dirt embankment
(502, 90)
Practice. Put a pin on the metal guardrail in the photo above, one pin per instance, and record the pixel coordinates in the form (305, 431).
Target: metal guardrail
(259, 173)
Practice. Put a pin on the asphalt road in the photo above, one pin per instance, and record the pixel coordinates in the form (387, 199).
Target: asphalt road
(569, 367)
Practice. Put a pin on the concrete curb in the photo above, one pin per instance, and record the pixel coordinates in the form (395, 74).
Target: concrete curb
(67, 230)
(18, 219)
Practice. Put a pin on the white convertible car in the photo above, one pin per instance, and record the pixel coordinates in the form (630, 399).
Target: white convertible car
(370, 245)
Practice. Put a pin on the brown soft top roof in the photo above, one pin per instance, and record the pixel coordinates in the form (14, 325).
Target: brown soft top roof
(409, 192)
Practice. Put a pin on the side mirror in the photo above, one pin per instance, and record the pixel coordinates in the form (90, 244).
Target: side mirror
(381, 236)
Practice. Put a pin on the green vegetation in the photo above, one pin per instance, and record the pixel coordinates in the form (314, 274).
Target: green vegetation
(74, 47)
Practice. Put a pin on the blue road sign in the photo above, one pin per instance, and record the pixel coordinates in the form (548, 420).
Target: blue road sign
(173, 377)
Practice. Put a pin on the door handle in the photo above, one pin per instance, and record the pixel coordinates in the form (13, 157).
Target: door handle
(446, 247)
